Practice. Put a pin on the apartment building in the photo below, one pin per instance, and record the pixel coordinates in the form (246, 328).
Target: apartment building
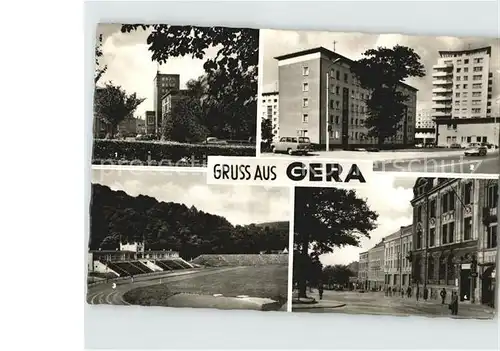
(270, 110)
(150, 119)
(316, 87)
(397, 267)
(425, 127)
(455, 236)
(169, 101)
(162, 83)
(462, 97)
(363, 270)
(376, 266)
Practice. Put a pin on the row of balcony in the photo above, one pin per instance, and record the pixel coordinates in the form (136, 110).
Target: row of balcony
(442, 74)
(442, 89)
(447, 66)
(442, 82)
(448, 97)
(442, 107)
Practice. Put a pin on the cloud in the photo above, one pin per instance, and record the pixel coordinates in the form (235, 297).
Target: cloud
(130, 65)
(390, 198)
(238, 204)
(352, 45)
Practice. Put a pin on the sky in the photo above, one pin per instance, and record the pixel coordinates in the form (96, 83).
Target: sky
(130, 65)
(391, 200)
(352, 45)
(238, 204)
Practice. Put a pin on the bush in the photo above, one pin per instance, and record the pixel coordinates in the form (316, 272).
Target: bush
(155, 153)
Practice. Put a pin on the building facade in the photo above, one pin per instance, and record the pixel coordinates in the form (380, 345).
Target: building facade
(270, 110)
(150, 122)
(397, 268)
(162, 83)
(462, 89)
(454, 233)
(363, 270)
(376, 267)
(425, 128)
(169, 101)
(305, 80)
(465, 131)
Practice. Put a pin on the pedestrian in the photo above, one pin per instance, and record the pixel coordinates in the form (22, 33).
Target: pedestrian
(320, 291)
(454, 303)
(443, 295)
(402, 293)
(408, 291)
(426, 294)
(394, 291)
(417, 292)
(132, 278)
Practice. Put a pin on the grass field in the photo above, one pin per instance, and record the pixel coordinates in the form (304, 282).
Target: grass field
(262, 281)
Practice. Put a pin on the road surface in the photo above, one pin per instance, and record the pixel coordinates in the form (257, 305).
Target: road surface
(378, 304)
(489, 164)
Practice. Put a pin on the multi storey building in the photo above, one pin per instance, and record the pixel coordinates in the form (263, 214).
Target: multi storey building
(168, 102)
(462, 97)
(270, 110)
(454, 235)
(425, 128)
(163, 83)
(376, 266)
(363, 270)
(316, 87)
(397, 268)
(150, 122)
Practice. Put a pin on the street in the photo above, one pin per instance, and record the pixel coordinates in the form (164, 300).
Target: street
(354, 302)
(437, 161)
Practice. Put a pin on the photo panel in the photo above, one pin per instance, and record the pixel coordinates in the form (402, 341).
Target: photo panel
(405, 246)
(168, 95)
(407, 103)
(168, 239)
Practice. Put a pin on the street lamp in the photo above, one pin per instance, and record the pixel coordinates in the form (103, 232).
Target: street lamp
(327, 106)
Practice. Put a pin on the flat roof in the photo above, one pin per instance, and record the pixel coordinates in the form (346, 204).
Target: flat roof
(331, 54)
(470, 51)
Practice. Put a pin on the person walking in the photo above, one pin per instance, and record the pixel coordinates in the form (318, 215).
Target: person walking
(443, 295)
(408, 291)
(417, 292)
(454, 303)
(320, 291)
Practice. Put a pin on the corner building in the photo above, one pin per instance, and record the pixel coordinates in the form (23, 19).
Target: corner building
(303, 102)
(454, 236)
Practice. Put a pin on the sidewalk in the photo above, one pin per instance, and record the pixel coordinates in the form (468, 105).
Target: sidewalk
(386, 155)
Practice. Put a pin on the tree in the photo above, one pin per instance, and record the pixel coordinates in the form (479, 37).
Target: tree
(326, 218)
(231, 76)
(183, 122)
(112, 105)
(381, 71)
(337, 274)
(267, 134)
(98, 54)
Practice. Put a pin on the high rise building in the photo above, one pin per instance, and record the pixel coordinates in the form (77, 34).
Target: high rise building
(425, 127)
(163, 83)
(462, 97)
(150, 122)
(270, 110)
(304, 105)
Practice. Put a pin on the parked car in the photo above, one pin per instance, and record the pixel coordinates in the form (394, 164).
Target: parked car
(292, 145)
(214, 140)
(455, 146)
(476, 149)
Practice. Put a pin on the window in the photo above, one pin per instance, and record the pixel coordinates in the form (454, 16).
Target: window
(491, 239)
(476, 102)
(432, 236)
(457, 86)
(466, 69)
(305, 86)
(466, 61)
(477, 77)
(444, 234)
(444, 203)
(337, 75)
(457, 95)
(478, 60)
(466, 77)
(478, 69)
(346, 77)
(451, 232)
(476, 93)
(419, 213)
(336, 119)
(305, 71)
(433, 209)
(305, 102)
(468, 228)
(305, 118)
(419, 239)
(476, 110)
(465, 86)
(492, 196)
(477, 86)
(468, 193)
(331, 104)
(459, 78)
(337, 90)
(458, 70)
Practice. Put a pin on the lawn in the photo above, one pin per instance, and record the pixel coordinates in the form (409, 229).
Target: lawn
(262, 281)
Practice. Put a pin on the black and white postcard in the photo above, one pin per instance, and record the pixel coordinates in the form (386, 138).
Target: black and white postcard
(172, 95)
(169, 239)
(407, 103)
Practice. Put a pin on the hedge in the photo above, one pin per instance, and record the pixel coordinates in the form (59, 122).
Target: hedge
(155, 153)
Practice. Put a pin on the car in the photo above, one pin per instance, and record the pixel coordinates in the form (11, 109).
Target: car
(214, 140)
(292, 145)
(455, 146)
(476, 149)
